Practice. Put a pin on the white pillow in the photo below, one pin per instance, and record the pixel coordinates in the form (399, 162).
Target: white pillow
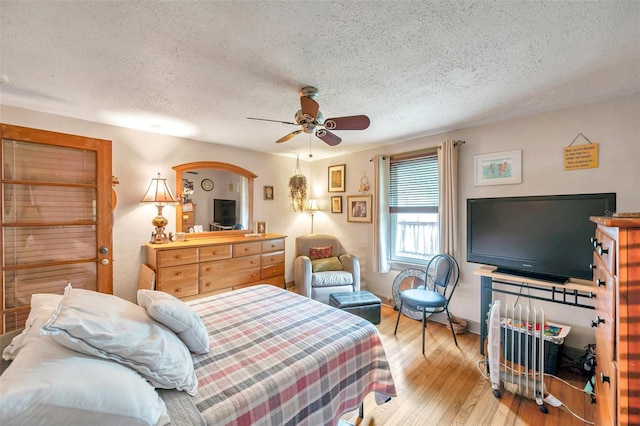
(109, 327)
(179, 317)
(42, 306)
(48, 384)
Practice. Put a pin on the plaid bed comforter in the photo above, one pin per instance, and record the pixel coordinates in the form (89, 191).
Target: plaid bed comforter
(278, 358)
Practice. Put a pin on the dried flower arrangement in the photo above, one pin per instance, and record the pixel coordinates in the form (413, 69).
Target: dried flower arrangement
(297, 189)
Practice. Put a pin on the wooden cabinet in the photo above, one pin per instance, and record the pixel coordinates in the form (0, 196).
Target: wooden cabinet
(205, 265)
(188, 216)
(617, 320)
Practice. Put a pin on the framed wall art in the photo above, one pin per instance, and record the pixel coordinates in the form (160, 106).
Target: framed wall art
(336, 178)
(500, 168)
(268, 192)
(336, 204)
(359, 209)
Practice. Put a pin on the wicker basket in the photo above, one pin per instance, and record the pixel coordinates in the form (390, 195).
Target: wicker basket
(459, 325)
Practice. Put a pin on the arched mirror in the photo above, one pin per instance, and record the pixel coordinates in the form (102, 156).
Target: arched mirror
(216, 197)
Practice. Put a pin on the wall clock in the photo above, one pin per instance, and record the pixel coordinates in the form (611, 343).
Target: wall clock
(206, 184)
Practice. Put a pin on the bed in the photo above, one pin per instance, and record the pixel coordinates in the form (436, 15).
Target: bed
(274, 358)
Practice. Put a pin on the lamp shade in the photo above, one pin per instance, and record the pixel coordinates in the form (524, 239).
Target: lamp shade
(312, 205)
(159, 193)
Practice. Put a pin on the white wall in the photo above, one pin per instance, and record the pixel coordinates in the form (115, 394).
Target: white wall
(138, 156)
(613, 123)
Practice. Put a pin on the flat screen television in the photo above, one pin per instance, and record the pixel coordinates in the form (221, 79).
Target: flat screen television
(224, 212)
(543, 237)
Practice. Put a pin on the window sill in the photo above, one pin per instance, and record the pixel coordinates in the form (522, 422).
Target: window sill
(399, 266)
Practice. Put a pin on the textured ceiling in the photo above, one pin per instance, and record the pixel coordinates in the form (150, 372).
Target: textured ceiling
(198, 69)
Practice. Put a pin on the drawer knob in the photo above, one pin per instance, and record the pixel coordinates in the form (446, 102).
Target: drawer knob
(602, 251)
(604, 379)
(592, 267)
(597, 321)
(601, 283)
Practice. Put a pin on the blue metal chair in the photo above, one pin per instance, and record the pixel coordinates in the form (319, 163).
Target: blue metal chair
(441, 278)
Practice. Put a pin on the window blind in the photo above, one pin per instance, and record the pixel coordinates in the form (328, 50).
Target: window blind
(413, 185)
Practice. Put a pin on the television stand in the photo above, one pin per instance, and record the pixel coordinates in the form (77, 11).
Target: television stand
(534, 275)
(575, 292)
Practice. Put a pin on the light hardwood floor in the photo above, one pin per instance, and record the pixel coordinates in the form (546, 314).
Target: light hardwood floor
(445, 386)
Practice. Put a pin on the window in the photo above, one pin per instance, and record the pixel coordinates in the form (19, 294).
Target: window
(413, 208)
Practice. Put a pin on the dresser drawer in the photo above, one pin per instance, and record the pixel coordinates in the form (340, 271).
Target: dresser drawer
(272, 270)
(272, 258)
(178, 274)
(213, 269)
(606, 396)
(228, 280)
(179, 281)
(605, 367)
(605, 300)
(176, 257)
(273, 245)
(180, 289)
(247, 249)
(210, 253)
(605, 249)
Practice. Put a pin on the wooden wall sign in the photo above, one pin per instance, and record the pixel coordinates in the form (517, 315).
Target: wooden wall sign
(581, 156)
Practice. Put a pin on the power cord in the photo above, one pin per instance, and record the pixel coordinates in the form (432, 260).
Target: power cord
(552, 400)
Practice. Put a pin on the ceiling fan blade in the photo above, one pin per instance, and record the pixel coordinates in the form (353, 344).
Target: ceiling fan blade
(309, 107)
(289, 136)
(328, 137)
(353, 122)
(275, 121)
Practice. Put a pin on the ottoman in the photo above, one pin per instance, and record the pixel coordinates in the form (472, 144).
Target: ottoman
(361, 303)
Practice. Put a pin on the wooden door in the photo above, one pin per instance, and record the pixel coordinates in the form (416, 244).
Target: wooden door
(56, 217)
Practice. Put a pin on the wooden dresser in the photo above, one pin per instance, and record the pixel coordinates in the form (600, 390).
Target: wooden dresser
(204, 265)
(617, 322)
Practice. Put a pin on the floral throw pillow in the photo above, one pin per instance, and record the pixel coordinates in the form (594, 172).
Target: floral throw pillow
(320, 252)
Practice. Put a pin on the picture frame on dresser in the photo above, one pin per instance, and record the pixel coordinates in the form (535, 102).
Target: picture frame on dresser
(261, 227)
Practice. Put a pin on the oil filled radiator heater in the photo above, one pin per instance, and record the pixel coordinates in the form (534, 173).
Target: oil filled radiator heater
(516, 352)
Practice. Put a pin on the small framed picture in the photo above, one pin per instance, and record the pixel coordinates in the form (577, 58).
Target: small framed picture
(500, 168)
(336, 178)
(359, 209)
(268, 192)
(336, 204)
(261, 227)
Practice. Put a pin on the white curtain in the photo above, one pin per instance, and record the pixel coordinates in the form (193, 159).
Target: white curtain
(381, 258)
(448, 166)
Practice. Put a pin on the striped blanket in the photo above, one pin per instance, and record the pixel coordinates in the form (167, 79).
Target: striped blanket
(278, 358)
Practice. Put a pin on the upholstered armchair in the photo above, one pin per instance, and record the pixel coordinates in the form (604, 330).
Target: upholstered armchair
(322, 267)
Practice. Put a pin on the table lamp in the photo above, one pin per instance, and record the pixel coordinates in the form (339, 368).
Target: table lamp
(159, 194)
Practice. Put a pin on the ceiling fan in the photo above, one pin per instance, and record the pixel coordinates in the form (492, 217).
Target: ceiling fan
(310, 119)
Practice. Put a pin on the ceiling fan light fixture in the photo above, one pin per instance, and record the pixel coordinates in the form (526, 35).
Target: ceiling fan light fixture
(309, 117)
(308, 92)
